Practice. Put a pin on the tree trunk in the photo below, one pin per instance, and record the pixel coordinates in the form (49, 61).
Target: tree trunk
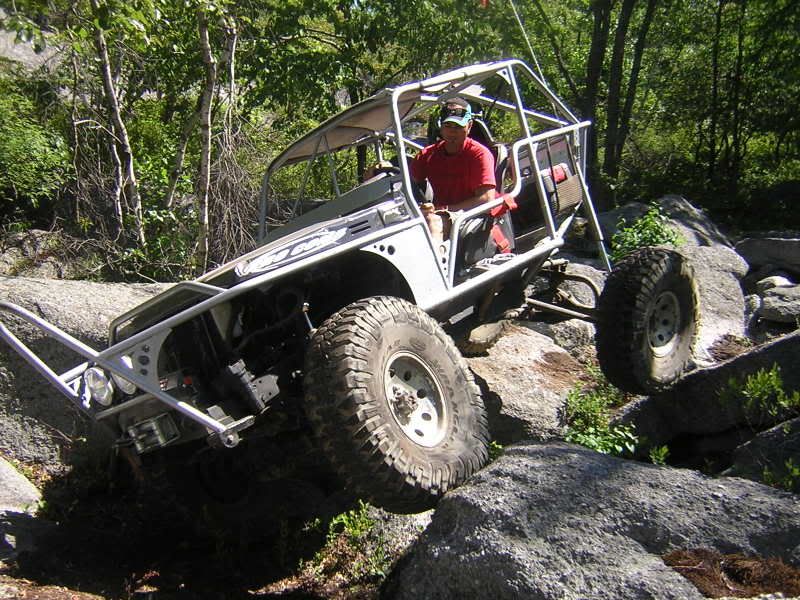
(736, 106)
(180, 156)
(204, 170)
(633, 79)
(601, 9)
(712, 124)
(553, 37)
(610, 158)
(128, 182)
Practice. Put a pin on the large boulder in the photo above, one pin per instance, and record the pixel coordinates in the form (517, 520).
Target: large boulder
(559, 521)
(771, 454)
(773, 251)
(698, 405)
(525, 379)
(781, 304)
(694, 227)
(718, 271)
(37, 423)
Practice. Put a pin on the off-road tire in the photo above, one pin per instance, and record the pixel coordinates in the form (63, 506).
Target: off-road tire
(647, 320)
(366, 368)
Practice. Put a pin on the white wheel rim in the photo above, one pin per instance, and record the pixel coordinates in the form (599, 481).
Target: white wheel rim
(663, 324)
(415, 399)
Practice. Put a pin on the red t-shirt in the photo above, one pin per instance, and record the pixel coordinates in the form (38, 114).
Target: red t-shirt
(454, 177)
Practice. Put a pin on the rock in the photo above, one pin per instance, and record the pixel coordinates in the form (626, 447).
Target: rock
(19, 499)
(17, 494)
(752, 305)
(780, 253)
(691, 223)
(698, 406)
(694, 227)
(772, 282)
(781, 304)
(610, 220)
(552, 520)
(572, 335)
(525, 378)
(35, 253)
(718, 270)
(769, 451)
(37, 424)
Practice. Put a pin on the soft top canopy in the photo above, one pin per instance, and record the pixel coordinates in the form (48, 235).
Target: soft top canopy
(375, 115)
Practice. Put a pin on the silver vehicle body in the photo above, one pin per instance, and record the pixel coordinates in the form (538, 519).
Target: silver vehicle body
(376, 227)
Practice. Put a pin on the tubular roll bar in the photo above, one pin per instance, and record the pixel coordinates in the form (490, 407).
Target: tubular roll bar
(68, 383)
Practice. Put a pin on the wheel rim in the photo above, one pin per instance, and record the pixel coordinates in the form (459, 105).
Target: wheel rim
(415, 399)
(663, 324)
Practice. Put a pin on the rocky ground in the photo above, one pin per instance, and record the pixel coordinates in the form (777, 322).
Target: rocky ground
(545, 520)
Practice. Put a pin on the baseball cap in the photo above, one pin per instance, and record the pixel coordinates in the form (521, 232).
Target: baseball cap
(456, 110)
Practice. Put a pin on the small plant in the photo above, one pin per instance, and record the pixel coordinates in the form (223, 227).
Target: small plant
(587, 415)
(351, 549)
(763, 392)
(354, 524)
(651, 229)
(495, 451)
(789, 480)
(658, 455)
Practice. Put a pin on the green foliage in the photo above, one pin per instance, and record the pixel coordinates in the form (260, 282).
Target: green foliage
(649, 230)
(351, 550)
(33, 159)
(763, 393)
(658, 455)
(354, 524)
(495, 451)
(167, 255)
(788, 479)
(587, 415)
(712, 115)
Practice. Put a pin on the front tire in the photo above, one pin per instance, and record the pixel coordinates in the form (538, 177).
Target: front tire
(647, 320)
(393, 404)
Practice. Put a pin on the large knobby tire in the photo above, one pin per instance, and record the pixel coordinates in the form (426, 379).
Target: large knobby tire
(393, 404)
(647, 319)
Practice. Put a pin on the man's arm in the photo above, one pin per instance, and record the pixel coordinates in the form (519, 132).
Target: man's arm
(483, 194)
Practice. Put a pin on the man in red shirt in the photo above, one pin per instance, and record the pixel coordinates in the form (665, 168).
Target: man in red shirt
(459, 169)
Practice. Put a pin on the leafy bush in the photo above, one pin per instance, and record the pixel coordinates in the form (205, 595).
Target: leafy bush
(350, 551)
(788, 479)
(763, 392)
(33, 159)
(167, 255)
(658, 455)
(649, 230)
(588, 412)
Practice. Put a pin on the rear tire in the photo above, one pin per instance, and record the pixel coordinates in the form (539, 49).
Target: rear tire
(393, 404)
(647, 320)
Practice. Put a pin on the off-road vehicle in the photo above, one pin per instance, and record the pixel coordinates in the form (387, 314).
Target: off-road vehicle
(340, 316)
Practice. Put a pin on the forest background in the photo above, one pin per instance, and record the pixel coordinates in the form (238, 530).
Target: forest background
(144, 134)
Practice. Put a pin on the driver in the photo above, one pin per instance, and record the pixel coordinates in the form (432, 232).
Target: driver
(459, 169)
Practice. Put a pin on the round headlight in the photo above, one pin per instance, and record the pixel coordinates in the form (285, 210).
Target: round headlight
(125, 386)
(100, 388)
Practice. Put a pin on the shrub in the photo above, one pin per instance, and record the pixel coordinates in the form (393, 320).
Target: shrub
(763, 392)
(651, 229)
(587, 415)
(33, 159)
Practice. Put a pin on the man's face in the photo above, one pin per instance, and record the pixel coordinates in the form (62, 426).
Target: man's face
(454, 135)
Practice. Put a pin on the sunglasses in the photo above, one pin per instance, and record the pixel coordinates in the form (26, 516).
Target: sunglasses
(454, 111)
